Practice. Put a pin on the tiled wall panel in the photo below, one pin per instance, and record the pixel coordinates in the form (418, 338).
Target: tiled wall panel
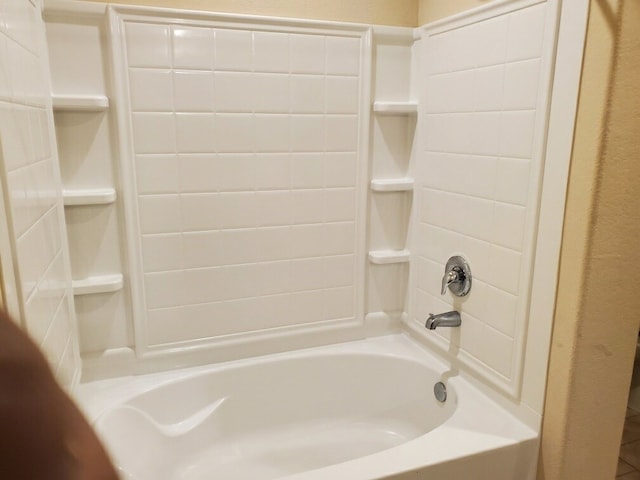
(30, 176)
(246, 145)
(483, 114)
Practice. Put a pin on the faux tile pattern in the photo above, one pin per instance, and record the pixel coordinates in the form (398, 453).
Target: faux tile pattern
(30, 166)
(246, 149)
(479, 104)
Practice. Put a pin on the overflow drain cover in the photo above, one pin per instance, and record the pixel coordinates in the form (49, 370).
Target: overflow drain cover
(440, 391)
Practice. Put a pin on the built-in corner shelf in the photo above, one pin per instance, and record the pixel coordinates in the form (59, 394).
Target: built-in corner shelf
(384, 257)
(86, 103)
(392, 184)
(88, 196)
(395, 108)
(98, 284)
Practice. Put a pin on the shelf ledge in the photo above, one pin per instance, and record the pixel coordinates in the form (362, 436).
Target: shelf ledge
(384, 257)
(87, 103)
(98, 284)
(88, 196)
(392, 184)
(395, 108)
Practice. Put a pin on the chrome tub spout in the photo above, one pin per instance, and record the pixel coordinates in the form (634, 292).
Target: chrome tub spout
(447, 319)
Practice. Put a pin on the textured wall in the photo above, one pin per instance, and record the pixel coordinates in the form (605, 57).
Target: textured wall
(383, 12)
(596, 324)
(29, 170)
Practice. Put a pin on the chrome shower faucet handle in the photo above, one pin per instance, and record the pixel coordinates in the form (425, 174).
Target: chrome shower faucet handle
(449, 278)
(457, 277)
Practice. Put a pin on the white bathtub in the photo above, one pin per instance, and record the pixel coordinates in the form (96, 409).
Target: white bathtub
(353, 411)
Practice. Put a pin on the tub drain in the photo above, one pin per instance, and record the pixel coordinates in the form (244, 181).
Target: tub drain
(440, 391)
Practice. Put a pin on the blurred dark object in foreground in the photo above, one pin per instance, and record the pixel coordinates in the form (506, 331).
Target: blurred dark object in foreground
(43, 435)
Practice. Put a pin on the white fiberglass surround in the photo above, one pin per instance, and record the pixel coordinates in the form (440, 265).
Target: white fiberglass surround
(359, 411)
(485, 86)
(244, 150)
(386, 151)
(35, 269)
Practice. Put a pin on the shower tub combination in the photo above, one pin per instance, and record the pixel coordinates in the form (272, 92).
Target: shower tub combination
(356, 411)
(199, 287)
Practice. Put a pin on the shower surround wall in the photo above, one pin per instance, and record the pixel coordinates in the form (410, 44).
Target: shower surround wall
(243, 150)
(247, 148)
(485, 89)
(31, 187)
(285, 197)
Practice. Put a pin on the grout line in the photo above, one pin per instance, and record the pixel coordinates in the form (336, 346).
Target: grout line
(466, 195)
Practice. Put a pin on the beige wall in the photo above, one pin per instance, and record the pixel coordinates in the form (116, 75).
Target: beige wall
(383, 12)
(598, 306)
(432, 10)
(3, 301)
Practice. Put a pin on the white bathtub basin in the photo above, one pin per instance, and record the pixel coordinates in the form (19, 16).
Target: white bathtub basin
(360, 410)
